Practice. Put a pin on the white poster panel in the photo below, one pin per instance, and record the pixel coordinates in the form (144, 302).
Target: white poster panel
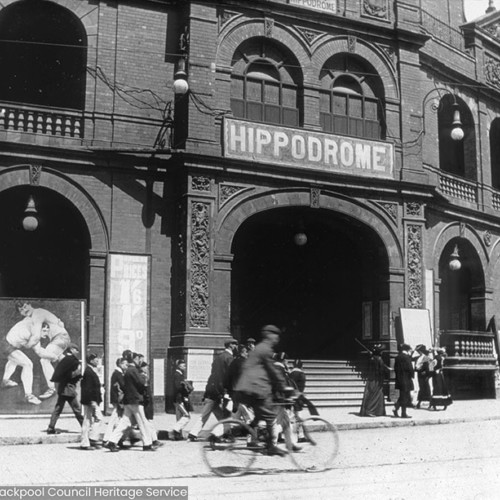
(416, 326)
(128, 307)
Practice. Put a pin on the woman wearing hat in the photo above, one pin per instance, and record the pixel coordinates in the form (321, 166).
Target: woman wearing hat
(373, 398)
(440, 394)
(423, 369)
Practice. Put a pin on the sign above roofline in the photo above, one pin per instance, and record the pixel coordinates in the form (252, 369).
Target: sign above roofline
(307, 149)
(320, 5)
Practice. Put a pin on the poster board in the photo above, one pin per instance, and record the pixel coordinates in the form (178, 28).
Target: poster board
(128, 313)
(34, 337)
(416, 327)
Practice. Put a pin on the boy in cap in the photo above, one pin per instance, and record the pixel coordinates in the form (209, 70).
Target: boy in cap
(91, 398)
(67, 374)
(217, 389)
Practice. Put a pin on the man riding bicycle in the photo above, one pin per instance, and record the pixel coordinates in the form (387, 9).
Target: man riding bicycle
(260, 384)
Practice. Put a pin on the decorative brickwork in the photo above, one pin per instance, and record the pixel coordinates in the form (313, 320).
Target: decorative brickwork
(315, 197)
(390, 208)
(200, 264)
(35, 174)
(351, 44)
(308, 34)
(414, 209)
(414, 266)
(226, 191)
(376, 8)
(200, 183)
(268, 26)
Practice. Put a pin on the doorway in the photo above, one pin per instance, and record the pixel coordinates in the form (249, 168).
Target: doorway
(313, 287)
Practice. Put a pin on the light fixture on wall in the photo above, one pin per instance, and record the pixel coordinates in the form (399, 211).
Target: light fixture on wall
(457, 129)
(181, 85)
(300, 237)
(455, 263)
(30, 216)
(457, 132)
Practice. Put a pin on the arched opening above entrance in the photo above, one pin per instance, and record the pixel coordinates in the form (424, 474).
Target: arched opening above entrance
(314, 291)
(53, 260)
(461, 286)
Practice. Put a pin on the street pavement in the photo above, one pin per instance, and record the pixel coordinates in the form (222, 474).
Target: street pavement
(459, 461)
(32, 430)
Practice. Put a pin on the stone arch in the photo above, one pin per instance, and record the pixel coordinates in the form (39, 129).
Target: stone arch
(231, 219)
(327, 48)
(234, 35)
(87, 13)
(51, 179)
(456, 230)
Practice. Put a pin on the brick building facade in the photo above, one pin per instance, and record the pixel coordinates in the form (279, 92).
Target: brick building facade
(326, 162)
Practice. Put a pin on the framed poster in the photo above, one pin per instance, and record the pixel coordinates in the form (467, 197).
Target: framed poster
(128, 307)
(36, 333)
(367, 320)
(416, 327)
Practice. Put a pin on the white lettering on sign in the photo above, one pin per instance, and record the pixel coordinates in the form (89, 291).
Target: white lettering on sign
(323, 5)
(307, 149)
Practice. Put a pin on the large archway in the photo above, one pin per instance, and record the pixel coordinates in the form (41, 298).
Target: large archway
(315, 291)
(51, 261)
(461, 286)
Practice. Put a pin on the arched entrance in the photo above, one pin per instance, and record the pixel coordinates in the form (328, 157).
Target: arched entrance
(462, 288)
(315, 291)
(51, 261)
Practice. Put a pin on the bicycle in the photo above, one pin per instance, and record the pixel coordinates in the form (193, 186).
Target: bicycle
(233, 446)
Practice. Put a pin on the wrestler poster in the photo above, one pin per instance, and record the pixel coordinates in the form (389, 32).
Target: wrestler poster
(35, 334)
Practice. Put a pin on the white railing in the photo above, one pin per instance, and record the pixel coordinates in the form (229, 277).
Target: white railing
(31, 119)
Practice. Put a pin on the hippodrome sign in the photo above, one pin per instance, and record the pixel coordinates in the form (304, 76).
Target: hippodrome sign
(300, 148)
(322, 5)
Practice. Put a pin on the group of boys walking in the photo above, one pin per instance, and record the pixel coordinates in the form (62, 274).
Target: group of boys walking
(130, 397)
(244, 374)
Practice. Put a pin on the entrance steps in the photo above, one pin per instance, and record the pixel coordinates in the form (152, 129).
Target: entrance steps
(334, 383)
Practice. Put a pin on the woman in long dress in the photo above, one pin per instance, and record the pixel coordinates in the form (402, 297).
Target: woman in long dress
(423, 369)
(440, 394)
(373, 404)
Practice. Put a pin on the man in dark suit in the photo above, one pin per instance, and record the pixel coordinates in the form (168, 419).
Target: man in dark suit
(66, 374)
(133, 399)
(91, 398)
(403, 368)
(217, 388)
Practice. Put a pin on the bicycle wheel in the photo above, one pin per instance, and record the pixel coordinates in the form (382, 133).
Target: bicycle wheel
(226, 451)
(318, 441)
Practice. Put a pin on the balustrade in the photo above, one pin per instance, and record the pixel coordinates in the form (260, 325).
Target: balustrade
(63, 123)
(469, 350)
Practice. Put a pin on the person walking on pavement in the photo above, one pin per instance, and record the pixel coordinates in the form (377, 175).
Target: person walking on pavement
(403, 369)
(298, 377)
(67, 374)
(217, 389)
(182, 389)
(240, 410)
(91, 398)
(373, 404)
(260, 382)
(133, 398)
(424, 374)
(117, 387)
(148, 403)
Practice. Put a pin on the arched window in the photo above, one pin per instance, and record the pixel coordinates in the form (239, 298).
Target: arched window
(495, 153)
(351, 99)
(42, 55)
(457, 157)
(264, 86)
